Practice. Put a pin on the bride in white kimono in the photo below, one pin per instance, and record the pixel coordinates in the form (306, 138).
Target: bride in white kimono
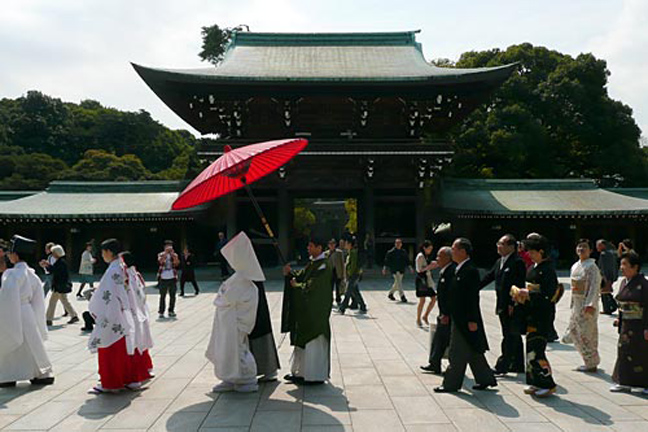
(22, 321)
(236, 306)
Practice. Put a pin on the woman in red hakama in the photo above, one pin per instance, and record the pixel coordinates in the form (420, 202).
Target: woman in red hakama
(113, 337)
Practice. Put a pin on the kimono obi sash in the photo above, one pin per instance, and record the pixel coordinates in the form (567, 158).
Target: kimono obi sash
(631, 310)
(578, 286)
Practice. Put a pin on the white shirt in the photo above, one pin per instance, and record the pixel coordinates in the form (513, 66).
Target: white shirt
(503, 260)
(167, 272)
(461, 264)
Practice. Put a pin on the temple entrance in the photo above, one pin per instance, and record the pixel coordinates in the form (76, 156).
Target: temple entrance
(326, 217)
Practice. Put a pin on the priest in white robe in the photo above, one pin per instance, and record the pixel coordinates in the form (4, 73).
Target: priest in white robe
(22, 321)
(236, 306)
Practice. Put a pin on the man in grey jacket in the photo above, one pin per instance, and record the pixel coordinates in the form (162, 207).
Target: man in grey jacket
(335, 258)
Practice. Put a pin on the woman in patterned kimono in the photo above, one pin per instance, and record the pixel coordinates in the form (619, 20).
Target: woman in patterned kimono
(582, 330)
(540, 293)
(113, 337)
(631, 368)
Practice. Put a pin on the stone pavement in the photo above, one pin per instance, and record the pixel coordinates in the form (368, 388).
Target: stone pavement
(375, 386)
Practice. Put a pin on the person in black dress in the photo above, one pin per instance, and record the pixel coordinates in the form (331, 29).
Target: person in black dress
(188, 273)
(424, 283)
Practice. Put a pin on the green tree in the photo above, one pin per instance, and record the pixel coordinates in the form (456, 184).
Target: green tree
(34, 171)
(99, 165)
(215, 40)
(552, 118)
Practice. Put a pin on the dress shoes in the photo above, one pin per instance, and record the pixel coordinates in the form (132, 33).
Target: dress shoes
(294, 379)
(431, 369)
(442, 389)
(484, 386)
(42, 381)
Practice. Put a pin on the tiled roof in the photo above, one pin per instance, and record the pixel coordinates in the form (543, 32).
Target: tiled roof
(328, 57)
(94, 200)
(536, 197)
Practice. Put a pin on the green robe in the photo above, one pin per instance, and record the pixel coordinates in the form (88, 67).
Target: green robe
(307, 306)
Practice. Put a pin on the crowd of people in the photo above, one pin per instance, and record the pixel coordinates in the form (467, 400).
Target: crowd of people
(242, 347)
(527, 290)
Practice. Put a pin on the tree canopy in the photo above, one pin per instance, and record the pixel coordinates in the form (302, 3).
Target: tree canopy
(43, 139)
(551, 119)
(215, 41)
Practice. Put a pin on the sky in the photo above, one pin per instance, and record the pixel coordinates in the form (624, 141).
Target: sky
(82, 49)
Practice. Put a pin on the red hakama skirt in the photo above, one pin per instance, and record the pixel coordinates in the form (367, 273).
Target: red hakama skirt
(117, 368)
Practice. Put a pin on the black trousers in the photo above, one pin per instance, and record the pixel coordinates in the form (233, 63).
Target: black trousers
(188, 277)
(512, 358)
(353, 292)
(337, 283)
(167, 286)
(223, 266)
(439, 345)
(88, 320)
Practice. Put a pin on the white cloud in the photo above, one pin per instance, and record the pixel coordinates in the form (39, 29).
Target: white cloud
(625, 47)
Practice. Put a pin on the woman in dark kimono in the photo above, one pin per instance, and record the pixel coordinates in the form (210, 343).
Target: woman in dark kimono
(540, 294)
(631, 368)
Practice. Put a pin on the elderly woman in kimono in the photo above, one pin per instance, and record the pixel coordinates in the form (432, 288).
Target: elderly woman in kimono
(236, 307)
(540, 295)
(582, 330)
(113, 337)
(139, 309)
(22, 321)
(631, 368)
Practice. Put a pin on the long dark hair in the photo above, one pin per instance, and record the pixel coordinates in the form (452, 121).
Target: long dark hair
(424, 245)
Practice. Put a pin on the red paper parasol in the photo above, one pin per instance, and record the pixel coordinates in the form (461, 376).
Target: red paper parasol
(236, 169)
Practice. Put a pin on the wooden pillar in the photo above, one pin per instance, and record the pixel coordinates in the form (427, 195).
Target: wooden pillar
(284, 220)
(232, 205)
(369, 208)
(420, 216)
(68, 244)
(183, 235)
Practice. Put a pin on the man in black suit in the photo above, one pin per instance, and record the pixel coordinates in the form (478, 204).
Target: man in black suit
(509, 270)
(468, 338)
(441, 338)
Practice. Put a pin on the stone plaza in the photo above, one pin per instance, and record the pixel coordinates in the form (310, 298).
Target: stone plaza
(375, 385)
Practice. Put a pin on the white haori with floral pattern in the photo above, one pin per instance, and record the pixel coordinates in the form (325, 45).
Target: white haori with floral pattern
(111, 310)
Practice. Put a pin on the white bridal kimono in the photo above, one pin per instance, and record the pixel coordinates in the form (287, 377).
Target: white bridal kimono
(139, 310)
(236, 305)
(111, 308)
(22, 326)
(582, 330)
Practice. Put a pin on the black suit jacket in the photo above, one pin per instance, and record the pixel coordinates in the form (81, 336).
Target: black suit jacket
(465, 306)
(444, 287)
(512, 273)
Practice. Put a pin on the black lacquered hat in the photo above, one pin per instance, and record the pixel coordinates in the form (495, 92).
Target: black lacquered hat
(20, 244)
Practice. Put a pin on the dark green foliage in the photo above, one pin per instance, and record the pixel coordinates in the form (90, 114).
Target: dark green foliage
(86, 141)
(215, 41)
(553, 118)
